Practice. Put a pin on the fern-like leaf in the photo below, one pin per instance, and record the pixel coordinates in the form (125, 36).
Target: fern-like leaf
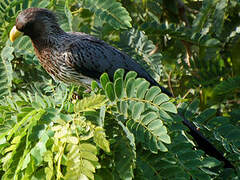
(145, 115)
(137, 44)
(110, 11)
(90, 103)
(124, 152)
(81, 161)
(227, 87)
(99, 138)
(6, 71)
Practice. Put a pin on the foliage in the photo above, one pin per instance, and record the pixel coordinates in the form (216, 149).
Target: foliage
(125, 129)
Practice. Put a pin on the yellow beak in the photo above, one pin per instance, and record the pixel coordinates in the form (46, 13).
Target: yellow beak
(14, 33)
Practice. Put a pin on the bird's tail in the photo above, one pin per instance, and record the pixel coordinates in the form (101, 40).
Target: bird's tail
(204, 144)
(199, 138)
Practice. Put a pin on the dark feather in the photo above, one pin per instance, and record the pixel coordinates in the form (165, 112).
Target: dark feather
(74, 57)
(92, 57)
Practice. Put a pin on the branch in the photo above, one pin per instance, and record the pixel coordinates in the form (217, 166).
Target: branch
(182, 13)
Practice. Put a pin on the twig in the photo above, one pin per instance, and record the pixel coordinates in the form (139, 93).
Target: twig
(77, 11)
(182, 13)
(169, 83)
(154, 50)
(187, 94)
(188, 52)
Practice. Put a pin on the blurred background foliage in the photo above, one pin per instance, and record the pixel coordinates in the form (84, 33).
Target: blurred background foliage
(127, 130)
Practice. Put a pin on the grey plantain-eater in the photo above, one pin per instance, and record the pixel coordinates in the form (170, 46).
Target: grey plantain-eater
(80, 58)
(72, 57)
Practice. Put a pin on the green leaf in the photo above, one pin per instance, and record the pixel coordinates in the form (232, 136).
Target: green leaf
(219, 16)
(123, 107)
(148, 128)
(212, 42)
(6, 53)
(154, 125)
(90, 103)
(203, 16)
(109, 89)
(119, 74)
(165, 138)
(100, 139)
(146, 119)
(88, 165)
(102, 116)
(161, 98)
(162, 147)
(89, 156)
(152, 143)
(87, 172)
(233, 134)
(81, 161)
(104, 79)
(169, 106)
(37, 156)
(68, 14)
(137, 110)
(165, 116)
(39, 100)
(23, 120)
(88, 147)
(130, 87)
(118, 88)
(125, 152)
(130, 75)
(72, 140)
(192, 108)
(142, 89)
(152, 93)
(111, 12)
(210, 162)
(206, 115)
(26, 161)
(41, 4)
(94, 85)
(227, 87)
(6, 71)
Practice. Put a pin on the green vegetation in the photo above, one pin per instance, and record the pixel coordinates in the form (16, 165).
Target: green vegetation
(126, 129)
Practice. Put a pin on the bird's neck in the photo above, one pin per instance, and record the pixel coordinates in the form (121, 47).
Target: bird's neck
(48, 40)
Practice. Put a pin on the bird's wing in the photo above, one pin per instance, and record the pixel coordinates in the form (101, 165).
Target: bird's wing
(91, 57)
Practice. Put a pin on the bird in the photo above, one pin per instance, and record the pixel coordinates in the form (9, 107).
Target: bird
(73, 57)
(79, 58)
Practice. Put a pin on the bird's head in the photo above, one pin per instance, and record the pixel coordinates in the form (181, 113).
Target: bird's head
(35, 23)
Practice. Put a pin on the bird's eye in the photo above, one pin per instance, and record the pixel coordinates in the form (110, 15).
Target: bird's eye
(29, 25)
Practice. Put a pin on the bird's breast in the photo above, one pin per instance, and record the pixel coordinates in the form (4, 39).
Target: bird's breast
(47, 61)
(56, 64)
